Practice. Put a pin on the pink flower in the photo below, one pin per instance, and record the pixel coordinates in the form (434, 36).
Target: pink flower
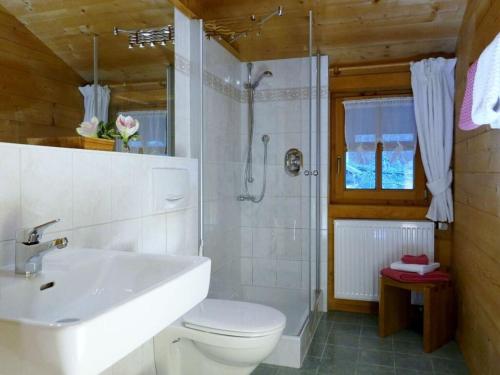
(127, 126)
(89, 129)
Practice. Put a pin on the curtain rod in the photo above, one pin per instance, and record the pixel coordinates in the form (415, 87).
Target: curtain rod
(131, 84)
(340, 69)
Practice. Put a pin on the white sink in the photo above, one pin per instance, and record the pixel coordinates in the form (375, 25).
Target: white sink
(103, 305)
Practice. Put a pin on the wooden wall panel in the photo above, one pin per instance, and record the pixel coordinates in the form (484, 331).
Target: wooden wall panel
(38, 91)
(476, 238)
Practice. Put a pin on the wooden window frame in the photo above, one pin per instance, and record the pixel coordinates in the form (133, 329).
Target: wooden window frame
(339, 194)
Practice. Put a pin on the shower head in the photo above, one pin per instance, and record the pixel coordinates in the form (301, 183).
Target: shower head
(267, 73)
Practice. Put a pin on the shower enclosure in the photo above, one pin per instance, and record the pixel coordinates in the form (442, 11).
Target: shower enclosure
(260, 163)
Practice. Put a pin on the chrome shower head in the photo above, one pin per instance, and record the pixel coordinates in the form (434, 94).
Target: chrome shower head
(267, 73)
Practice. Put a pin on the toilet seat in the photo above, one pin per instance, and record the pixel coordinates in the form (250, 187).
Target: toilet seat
(234, 318)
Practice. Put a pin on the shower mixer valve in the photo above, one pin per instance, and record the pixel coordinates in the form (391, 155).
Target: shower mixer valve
(293, 161)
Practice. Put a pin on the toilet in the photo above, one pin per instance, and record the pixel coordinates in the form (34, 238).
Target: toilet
(219, 337)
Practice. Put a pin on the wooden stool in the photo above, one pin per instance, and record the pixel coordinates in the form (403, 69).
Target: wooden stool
(439, 314)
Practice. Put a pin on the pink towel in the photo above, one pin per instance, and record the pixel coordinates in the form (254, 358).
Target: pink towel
(415, 259)
(466, 122)
(412, 277)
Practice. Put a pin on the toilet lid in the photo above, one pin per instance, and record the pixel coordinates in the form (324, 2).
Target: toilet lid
(234, 318)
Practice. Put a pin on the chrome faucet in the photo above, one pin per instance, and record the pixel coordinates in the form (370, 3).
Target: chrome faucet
(29, 250)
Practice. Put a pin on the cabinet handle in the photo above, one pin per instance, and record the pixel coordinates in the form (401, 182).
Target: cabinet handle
(339, 164)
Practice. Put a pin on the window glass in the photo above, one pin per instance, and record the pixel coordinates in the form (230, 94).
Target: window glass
(380, 132)
(360, 170)
(398, 170)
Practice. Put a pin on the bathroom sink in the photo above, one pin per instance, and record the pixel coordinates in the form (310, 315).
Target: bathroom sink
(89, 308)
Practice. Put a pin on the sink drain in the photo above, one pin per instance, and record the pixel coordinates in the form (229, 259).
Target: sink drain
(68, 320)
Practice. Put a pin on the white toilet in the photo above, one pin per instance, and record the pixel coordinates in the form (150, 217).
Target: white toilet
(219, 337)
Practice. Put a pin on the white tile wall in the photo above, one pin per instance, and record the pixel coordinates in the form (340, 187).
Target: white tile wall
(103, 200)
(10, 193)
(91, 188)
(46, 187)
(224, 241)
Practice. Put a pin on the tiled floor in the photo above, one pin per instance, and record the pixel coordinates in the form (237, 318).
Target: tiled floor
(347, 344)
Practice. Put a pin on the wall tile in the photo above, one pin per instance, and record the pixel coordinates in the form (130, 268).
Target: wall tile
(192, 232)
(126, 186)
(46, 187)
(96, 236)
(246, 242)
(7, 253)
(246, 271)
(288, 274)
(91, 188)
(176, 237)
(126, 235)
(10, 198)
(288, 243)
(154, 234)
(264, 272)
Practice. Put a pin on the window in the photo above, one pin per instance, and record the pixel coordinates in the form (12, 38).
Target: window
(375, 144)
(385, 122)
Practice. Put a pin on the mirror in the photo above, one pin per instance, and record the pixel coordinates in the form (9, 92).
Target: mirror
(54, 51)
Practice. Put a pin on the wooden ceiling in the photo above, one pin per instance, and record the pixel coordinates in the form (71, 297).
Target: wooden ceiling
(349, 31)
(67, 27)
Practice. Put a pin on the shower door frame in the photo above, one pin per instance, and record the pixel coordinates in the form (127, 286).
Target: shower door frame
(314, 185)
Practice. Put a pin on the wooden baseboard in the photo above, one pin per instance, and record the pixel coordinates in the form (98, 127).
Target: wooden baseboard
(346, 305)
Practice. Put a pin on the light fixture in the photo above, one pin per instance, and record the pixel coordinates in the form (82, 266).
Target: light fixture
(148, 37)
(212, 30)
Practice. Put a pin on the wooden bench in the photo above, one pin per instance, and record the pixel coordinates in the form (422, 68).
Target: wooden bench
(439, 312)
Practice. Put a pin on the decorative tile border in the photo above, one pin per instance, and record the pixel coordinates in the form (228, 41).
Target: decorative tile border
(278, 95)
(269, 95)
(221, 86)
(211, 80)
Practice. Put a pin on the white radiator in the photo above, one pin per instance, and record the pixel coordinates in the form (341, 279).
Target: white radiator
(363, 247)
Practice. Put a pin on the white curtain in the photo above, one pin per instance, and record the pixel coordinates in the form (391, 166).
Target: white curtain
(390, 121)
(152, 131)
(433, 87)
(103, 96)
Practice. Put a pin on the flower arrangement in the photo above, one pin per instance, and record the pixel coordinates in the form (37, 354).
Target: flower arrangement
(125, 128)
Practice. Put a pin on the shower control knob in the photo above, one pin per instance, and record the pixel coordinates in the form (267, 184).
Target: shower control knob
(293, 162)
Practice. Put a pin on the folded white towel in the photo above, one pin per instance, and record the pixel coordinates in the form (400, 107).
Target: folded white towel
(486, 93)
(421, 269)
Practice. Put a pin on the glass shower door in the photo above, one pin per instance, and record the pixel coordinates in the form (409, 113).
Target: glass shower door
(262, 250)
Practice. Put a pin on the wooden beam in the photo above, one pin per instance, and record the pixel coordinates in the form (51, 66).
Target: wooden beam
(190, 8)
